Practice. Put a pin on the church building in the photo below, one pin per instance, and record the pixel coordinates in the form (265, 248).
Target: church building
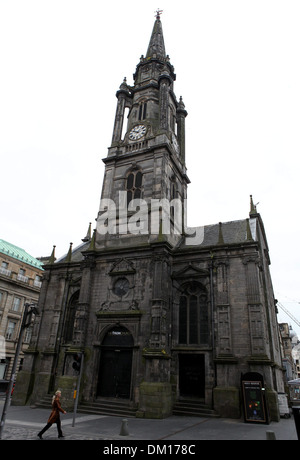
(161, 318)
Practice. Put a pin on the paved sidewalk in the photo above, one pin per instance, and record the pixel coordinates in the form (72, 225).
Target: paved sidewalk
(23, 423)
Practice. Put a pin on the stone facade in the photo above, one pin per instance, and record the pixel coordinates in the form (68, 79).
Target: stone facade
(20, 283)
(161, 313)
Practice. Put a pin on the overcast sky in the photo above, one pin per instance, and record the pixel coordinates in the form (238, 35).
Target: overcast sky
(238, 71)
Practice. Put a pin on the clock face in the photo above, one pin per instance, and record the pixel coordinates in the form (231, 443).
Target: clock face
(137, 132)
(121, 287)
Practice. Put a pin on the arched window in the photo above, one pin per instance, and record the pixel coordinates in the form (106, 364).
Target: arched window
(70, 317)
(143, 111)
(134, 185)
(118, 336)
(193, 315)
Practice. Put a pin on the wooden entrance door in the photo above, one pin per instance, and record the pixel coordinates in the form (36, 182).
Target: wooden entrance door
(115, 364)
(115, 373)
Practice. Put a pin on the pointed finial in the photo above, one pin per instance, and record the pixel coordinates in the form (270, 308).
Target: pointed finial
(92, 245)
(69, 255)
(221, 239)
(124, 84)
(253, 209)
(52, 257)
(181, 107)
(88, 235)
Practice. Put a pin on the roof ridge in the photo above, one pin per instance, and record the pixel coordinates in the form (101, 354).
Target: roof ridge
(225, 222)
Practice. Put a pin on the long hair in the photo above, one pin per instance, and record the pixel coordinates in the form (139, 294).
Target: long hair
(54, 396)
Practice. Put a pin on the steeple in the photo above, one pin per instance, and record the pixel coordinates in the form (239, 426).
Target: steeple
(156, 63)
(146, 159)
(156, 48)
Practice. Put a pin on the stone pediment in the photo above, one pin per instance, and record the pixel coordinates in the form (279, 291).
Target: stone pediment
(190, 271)
(122, 267)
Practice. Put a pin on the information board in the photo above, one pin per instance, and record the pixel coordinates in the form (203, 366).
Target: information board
(254, 402)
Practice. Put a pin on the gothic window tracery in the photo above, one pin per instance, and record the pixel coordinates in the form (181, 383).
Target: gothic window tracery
(134, 185)
(70, 317)
(143, 111)
(193, 315)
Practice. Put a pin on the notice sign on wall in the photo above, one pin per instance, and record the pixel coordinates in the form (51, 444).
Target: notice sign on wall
(254, 402)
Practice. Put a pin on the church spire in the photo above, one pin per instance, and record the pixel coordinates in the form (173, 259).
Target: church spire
(156, 46)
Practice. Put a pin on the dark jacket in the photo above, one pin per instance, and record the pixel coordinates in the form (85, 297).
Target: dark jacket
(56, 409)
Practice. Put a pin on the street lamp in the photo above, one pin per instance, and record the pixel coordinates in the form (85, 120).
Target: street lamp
(29, 311)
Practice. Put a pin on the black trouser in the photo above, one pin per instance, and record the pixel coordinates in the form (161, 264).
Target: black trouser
(58, 424)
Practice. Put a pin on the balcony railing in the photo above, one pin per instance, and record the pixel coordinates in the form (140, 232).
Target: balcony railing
(5, 272)
(22, 278)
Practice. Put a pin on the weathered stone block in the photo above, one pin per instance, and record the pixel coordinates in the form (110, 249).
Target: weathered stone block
(227, 402)
(155, 400)
(273, 406)
(23, 389)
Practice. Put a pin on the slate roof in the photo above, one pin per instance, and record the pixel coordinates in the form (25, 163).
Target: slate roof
(76, 253)
(233, 232)
(19, 254)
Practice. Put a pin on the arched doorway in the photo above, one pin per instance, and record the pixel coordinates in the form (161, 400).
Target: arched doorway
(115, 364)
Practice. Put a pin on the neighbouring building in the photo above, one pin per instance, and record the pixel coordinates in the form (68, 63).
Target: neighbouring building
(20, 283)
(162, 313)
(296, 357)
(287, 335)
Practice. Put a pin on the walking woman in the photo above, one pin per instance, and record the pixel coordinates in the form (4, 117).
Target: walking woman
(54, 416)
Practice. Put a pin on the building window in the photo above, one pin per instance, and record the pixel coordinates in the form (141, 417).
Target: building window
(134, 185)
(28, 334)
(193, 315)
(10, 330)
(70, 317)
(4, 269)
(143, 111)
(16, 304)
(38, 281)
(4, 365)
(21, 275)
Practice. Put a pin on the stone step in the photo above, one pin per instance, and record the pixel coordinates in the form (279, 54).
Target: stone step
(113, 407)
(45, 402)
(108, 407)
(193, 408)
